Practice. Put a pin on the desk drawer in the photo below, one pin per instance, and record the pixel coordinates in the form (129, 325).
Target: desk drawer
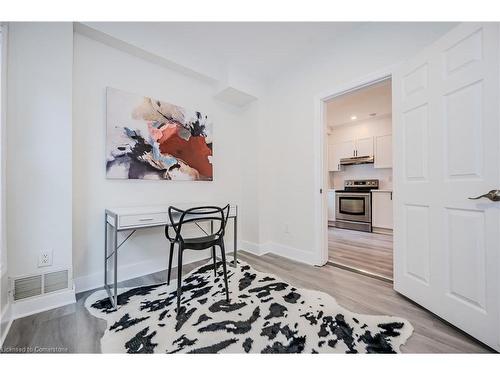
(142, 220)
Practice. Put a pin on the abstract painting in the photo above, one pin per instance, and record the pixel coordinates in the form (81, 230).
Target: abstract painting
(155, 140)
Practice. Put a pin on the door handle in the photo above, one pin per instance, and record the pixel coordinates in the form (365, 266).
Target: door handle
(492, 195)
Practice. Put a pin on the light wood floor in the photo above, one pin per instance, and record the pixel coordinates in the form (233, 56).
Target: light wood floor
(73, 328)
(371, 252)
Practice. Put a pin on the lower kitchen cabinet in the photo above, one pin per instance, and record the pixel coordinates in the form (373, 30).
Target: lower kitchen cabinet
(382, 209)
(331, 205)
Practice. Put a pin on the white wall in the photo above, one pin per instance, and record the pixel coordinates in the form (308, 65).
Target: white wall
(249, 143)
(97, 66)
(288, 141)
(362, 129)
(4, 280)
(39, 133)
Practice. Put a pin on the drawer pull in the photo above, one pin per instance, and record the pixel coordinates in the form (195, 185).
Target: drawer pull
(146, 219)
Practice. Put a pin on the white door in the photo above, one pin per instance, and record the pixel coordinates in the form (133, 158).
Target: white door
(446, 144)
(364, 146)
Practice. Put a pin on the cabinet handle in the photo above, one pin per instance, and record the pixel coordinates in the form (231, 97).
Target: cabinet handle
(146, 219)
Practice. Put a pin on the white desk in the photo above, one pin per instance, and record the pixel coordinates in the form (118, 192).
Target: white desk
(135, 218)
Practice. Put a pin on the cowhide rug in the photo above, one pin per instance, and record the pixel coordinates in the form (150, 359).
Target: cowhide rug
(264, 315)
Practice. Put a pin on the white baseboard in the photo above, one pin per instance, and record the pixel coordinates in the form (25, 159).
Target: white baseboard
(42, 303)
(381, 230)
(252, 247)
(130, 271)
(285, 251)
(5, 323)
(289, 252)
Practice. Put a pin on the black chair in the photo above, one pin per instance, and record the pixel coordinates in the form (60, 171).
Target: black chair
(180, 217)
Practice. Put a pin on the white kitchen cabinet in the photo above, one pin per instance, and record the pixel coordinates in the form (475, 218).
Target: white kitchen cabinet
(333, 159)
(338, 151)
(382, 209)
(345, 149)
(383, 151)
(364, 147)
(331, 205)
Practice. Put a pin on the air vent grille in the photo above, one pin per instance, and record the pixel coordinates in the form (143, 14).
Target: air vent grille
(27, 287)
(36, 285)
(54, 281)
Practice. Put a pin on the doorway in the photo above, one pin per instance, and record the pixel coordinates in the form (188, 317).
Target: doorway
(359, 179)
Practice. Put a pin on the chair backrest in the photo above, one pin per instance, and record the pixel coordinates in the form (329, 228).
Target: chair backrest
(179, 217)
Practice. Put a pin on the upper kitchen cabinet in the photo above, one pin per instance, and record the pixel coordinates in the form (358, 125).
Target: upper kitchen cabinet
(383, 151)
(337, 151)
(364, 147)
(333, 159)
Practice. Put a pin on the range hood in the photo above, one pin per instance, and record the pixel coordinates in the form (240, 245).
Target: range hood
(357, 160)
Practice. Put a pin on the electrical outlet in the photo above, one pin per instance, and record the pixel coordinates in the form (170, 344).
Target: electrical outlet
(286, 229)
(45, 258)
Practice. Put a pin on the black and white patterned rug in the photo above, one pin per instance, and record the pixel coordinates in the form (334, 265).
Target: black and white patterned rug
(264, 315)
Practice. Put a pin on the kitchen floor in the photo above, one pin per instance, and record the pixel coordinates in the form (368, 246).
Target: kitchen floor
(371, 252)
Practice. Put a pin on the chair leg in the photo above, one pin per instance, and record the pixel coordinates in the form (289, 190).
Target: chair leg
(215, 261)
(223, 255)
(170, 262)
(179, 278)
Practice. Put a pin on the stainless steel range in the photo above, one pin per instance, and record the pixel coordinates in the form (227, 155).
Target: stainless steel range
(353, 205)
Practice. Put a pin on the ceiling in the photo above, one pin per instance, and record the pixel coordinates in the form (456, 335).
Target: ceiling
(257, 49)
(365, 103)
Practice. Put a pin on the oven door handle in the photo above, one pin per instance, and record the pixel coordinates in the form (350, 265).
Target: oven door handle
(343, 194)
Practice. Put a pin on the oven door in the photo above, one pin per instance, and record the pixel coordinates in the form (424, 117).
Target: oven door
(353, 206)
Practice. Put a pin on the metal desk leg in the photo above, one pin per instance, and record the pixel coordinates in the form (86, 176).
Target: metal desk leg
(113, 295)
(106, 249)
(234, 263)
(115, 248)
